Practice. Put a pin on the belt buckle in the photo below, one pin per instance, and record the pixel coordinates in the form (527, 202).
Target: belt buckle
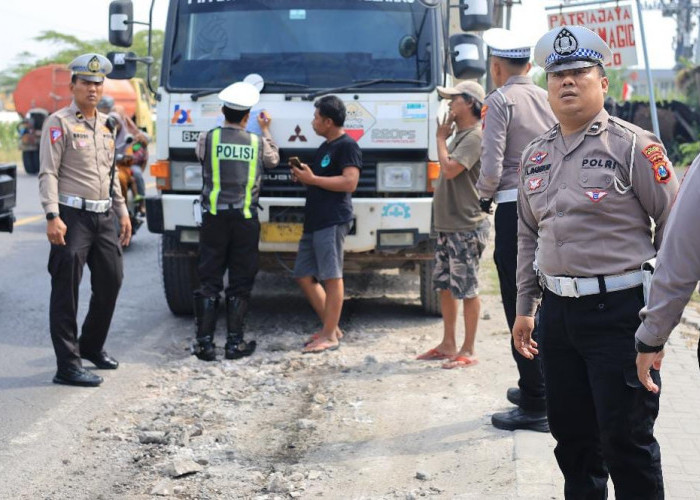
(569, 287)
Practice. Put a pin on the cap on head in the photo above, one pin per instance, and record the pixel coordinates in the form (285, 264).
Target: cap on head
(507, 44)
(571, 47)
(469, 87)
(90, 67)
(240, 96)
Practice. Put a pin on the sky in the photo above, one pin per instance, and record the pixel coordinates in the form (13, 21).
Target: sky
(22, 20)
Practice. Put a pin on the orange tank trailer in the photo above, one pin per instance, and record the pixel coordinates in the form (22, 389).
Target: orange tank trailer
(48, 87)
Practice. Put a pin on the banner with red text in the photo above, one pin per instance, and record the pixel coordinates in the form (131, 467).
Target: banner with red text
(615, 25)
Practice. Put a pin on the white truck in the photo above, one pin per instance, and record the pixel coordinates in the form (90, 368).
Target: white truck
(384, 58)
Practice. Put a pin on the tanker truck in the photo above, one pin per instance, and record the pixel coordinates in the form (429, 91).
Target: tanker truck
(383, 58)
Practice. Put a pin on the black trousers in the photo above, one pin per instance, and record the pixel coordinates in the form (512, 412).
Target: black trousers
(91, 238)
(599, 413)
(531, 381)
(228, 241)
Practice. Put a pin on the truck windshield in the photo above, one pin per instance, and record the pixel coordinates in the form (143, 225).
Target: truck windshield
(306, 44)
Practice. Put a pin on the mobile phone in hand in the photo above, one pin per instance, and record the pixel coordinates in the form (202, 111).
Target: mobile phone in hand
(295, 162)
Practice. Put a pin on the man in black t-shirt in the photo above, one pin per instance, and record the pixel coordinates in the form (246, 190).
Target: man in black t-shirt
(327, 219)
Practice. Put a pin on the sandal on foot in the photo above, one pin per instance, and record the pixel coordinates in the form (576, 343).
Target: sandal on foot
(460, 362)
(319, 346)
(433, 354)
(316, 336)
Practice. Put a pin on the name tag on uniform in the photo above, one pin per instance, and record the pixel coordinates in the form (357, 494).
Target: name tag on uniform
(234, 152)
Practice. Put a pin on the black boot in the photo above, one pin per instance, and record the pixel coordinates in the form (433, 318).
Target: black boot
(205, 309)
(236, 347)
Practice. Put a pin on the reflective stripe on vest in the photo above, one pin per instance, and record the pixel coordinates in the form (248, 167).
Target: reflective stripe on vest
(216, 174)
(252, 171)
(215, 171)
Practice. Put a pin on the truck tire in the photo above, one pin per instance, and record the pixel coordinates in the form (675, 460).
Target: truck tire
(179, 264)
(429, 298)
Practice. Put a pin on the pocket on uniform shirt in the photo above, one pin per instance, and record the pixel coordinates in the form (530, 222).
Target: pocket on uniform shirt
(596, 178)
(536, 190)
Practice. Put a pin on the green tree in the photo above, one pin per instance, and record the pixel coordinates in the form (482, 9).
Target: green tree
(71, 46)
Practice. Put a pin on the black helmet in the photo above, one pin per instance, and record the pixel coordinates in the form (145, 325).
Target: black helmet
(106, 104)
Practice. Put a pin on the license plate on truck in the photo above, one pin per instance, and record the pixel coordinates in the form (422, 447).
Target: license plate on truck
(281, 232)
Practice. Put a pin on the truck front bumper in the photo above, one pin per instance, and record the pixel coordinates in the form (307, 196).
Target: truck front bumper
(385, 224)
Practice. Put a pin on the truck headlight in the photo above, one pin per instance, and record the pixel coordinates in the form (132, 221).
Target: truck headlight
(185, 176)
(193, 176)
(405, 176)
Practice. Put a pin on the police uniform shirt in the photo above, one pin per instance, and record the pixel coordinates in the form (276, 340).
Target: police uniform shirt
(511, 117)
(677, 265)
(573, 219)
(270, 151)
(76, 157)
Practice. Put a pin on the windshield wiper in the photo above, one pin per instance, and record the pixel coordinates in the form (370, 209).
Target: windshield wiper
(202, 93)
(361, 84)
(286, 84)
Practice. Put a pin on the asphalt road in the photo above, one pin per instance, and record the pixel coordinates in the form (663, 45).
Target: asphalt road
(142, 322)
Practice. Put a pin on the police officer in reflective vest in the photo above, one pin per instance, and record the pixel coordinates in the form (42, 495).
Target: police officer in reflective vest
(232, 161)
(513, 115)
(589, 189)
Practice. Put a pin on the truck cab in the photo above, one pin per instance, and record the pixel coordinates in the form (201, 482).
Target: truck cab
(383, 58)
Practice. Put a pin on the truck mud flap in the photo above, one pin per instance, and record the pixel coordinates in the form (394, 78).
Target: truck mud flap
(154, 214)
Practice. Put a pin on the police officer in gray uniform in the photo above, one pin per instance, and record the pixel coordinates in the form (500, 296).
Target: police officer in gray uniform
(676, 275)
(513, 115)
(588, 190)
(81, 197)
(232, 162)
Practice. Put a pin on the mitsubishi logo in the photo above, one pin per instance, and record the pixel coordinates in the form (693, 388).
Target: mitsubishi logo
(297, 135)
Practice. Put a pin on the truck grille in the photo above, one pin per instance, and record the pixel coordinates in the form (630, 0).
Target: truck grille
(278, 182)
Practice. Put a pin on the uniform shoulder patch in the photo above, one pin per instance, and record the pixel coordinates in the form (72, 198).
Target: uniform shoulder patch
(659, 162)
(484, 109)
(55, 133)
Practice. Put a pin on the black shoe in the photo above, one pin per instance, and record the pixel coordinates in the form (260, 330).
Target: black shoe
(103, 361)
(204, 349)
(513, 395)
(239, 349)
(520, 419)
(76, 375)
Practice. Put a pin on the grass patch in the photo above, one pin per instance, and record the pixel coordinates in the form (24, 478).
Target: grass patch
(9, 151)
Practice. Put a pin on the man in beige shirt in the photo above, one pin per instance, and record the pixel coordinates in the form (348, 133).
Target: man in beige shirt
(80, 195)
(461, 225)
(589, 189)
(513, 115)
(675, 278)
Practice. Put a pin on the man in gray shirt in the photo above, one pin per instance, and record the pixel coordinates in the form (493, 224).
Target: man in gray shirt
(513, 115)
(676, 275)
(461, 225)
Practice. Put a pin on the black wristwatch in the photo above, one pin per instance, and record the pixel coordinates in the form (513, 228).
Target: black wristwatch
(485, 205)
(643, 348)
(51, 215)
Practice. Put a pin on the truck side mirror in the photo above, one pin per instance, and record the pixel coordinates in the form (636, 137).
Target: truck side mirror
(408, 45)
(467, 56)
(121, 28)
(475, 15)
(123, 65)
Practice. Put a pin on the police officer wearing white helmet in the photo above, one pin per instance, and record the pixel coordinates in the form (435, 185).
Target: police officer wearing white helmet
(589, 189)
(232, 162)
(512, 116)
(81, 197)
